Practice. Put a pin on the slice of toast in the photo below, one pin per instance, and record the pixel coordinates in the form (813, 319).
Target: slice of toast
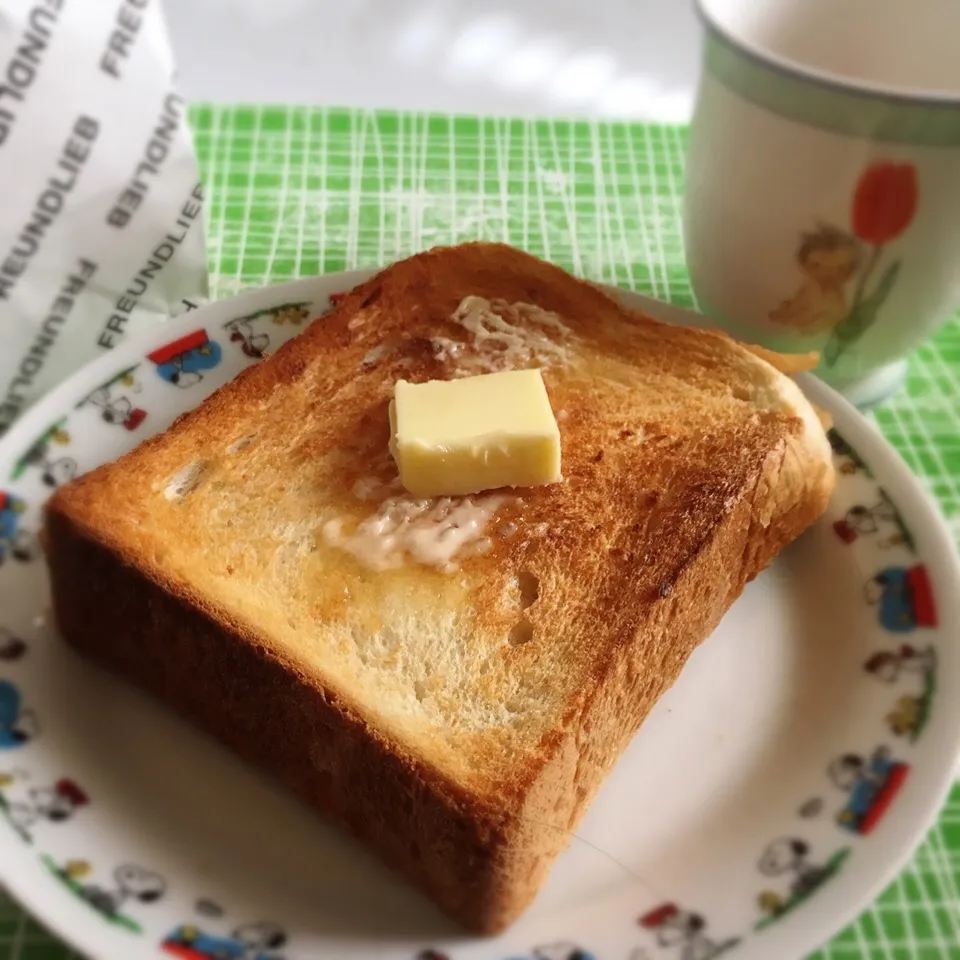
(451, 679)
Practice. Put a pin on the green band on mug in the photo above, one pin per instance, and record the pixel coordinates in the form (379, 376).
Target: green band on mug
(830, 106)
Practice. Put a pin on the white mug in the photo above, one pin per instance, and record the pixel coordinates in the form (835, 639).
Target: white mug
(822, 208)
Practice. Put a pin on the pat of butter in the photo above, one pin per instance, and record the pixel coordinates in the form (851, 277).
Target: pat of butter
(456, 437)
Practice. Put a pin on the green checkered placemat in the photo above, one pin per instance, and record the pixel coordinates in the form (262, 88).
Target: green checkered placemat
(296, 191)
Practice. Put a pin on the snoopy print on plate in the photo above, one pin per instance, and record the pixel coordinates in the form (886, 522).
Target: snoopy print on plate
(773, 790)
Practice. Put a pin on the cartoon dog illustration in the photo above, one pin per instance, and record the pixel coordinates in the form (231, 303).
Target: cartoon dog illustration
(684, 929)
(789, 857)
(131, 884)
(114, 405)
(184, 361)
(889, 666)
(903, 597)
(14, 542)
(12, 646)
(54, 804)
(17, 726)
(251, 941)
(54, 470)
(254, 345)
(862, 521)
(871, 784)
(118, 410)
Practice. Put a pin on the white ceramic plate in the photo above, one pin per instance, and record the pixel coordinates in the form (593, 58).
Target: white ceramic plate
(771, 794)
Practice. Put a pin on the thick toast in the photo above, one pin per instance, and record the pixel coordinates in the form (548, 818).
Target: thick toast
(455, 699)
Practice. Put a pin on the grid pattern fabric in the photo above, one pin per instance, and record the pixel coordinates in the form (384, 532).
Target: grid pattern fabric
(297, 191)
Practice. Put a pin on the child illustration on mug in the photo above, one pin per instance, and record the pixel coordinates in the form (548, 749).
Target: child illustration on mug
(828, 258)
(883, 206)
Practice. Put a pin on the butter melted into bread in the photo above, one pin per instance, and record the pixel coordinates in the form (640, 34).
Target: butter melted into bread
(501, 648)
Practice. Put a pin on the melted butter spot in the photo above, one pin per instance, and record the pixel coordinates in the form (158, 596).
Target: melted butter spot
(504, 336)
(435, 533)
(373, 488)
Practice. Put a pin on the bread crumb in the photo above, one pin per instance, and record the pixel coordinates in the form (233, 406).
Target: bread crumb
(434, 532)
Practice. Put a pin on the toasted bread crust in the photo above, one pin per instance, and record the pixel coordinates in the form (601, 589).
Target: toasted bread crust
(697, 515)
(786, 362)
(457, 851)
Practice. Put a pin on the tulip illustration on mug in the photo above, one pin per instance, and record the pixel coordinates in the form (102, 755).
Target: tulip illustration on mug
(830, 258)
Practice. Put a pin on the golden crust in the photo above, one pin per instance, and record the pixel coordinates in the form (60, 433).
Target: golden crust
(788, 363)
(394, 700)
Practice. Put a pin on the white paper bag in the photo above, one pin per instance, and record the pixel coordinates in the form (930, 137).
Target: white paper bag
(101, 231)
